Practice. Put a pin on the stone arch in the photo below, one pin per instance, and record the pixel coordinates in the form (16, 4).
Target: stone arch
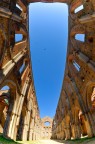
(23, 125)
(88, 93)
(4, 104)
(12, 86)
(78, 44)
(73, 7)
(47, 119)
(89, 104)
(12, 105)
(47, 129)
(15, 107)
(21, 6)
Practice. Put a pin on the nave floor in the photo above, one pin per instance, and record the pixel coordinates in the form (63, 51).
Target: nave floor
(90, 141)
(43, 142)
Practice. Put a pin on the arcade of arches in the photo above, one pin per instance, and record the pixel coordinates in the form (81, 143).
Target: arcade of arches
(19, 111)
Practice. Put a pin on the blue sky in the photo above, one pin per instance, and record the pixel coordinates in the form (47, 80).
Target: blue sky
(48, 42)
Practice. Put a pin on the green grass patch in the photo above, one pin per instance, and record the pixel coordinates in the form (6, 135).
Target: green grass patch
(82, 140)
(6, 141)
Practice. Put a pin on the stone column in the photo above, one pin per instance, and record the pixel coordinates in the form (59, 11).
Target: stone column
(76, 131)
(92, 122)
(25, 130)
(31, 130)
(88, 126)
(68, 132)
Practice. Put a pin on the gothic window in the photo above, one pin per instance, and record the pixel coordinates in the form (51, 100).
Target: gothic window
(79, 8)
(22, 68)
(76, 65)
(18, 37)
(80, 37)
(18, 7)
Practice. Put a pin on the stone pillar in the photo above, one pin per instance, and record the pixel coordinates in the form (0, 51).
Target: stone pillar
(76, 131)
(31, 131)
(34, 135)
(68, 132)
(88, 126)
(31, 134)
(24, 133)
(26, 126)
(92, 122)
(10, 129)
(63, 135)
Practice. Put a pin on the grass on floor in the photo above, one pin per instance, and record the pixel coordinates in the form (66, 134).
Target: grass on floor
(81, 140)
(6, 141)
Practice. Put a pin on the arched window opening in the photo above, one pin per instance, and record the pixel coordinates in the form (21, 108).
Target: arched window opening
(93, 97)
(6, 101)
(18, 6)
(18, 37)
(47, 124)
(5, 88)
(22, 68)
(4, 94)
(76, 65)
(79, 8)
(80, 37)
(18, 10)
(4, 104)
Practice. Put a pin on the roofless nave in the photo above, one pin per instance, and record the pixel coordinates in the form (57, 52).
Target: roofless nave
(19, 112)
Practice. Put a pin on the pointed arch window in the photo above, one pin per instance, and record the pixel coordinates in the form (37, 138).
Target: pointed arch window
(79, 8)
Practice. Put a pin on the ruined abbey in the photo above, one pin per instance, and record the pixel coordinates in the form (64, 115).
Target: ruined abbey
(19, 111)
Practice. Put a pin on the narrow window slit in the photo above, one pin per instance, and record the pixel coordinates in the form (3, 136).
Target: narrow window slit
(22, 68)
(80, 37)
(79, 8)
(93, 97)
(76, 65)
(18, 37)
(18, 7)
